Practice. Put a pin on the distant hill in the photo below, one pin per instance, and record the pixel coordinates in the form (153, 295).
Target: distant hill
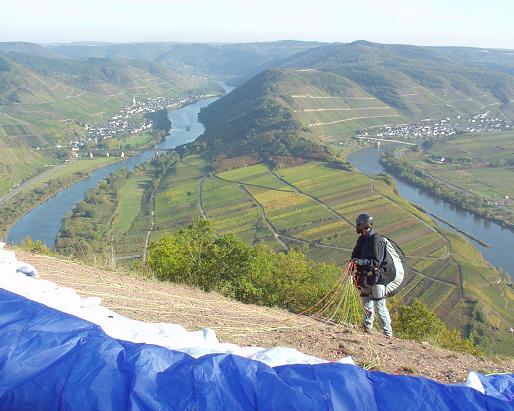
(28, 48)
(256, 119)
(329, 92)
(62, 89)
(385, 70)
(47, 101)
(495, 59)
(98, 75)
(239, 60)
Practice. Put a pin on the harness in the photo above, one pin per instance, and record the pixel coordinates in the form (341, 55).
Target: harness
(358, 278)
(372, 297)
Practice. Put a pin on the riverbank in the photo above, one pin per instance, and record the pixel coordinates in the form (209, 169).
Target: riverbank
(44, 221)
(44, 187)
(465, 201)
(100, 224)
(39, 190)
(470, 236)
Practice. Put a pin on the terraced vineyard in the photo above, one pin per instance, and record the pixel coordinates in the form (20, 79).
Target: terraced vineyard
(331, 117)
(38, 123)
(310, 207)
(132, 218)
(177, 197)
(347, 194)
(445, 102)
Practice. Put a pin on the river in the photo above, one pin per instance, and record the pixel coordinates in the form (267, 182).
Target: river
(501, 240)
(44, 221)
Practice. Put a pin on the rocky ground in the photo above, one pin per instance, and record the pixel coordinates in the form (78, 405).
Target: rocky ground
(147, 299)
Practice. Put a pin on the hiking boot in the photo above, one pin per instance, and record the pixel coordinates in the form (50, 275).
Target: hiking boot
(388, 336)
(368, 330)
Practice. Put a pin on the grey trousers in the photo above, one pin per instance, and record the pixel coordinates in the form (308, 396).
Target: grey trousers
(376, 292)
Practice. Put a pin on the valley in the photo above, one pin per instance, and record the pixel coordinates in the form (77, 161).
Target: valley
(49, 103)
(323, 97)
(230, 205)
(269, 163)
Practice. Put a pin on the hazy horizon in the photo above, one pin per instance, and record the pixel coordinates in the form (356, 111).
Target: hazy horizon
(426, 23)
(99, 43)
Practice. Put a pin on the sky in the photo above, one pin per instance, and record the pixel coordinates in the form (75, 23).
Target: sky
(478, 23)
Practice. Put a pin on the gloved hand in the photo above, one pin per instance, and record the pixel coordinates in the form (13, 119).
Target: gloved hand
(361, 261)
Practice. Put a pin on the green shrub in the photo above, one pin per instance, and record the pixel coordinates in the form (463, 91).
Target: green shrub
(417, 322)
(37, 246)
(197, 256)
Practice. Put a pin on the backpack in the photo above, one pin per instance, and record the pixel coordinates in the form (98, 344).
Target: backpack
(392, 278)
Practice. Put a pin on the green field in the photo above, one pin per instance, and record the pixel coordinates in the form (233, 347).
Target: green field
(137, 141)
(19, 163)
(130, 199)
(177, 197)
(488, 172)
(65, 170)
(85, 165)
(132, 216)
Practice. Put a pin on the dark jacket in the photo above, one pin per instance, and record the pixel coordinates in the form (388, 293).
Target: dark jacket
(371, 249)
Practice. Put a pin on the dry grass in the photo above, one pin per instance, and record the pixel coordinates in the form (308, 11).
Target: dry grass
(150, 300)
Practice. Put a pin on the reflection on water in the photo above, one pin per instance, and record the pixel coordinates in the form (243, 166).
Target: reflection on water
(501, 240)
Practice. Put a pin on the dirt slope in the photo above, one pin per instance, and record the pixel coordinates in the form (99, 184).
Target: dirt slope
(154, 301)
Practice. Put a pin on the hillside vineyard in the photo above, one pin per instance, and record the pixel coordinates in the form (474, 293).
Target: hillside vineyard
(271, 165)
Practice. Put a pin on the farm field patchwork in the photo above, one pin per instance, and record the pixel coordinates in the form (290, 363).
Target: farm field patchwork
(481, 166)
(176, 199)
(348, 194)
(312, 208)
(132, 217)
(310, 205)
(230, 207)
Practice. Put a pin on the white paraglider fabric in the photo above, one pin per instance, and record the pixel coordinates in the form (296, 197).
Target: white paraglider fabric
(20, 278)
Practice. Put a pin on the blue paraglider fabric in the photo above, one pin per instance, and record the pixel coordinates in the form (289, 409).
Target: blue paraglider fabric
(50, 360)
